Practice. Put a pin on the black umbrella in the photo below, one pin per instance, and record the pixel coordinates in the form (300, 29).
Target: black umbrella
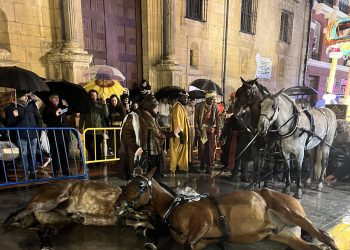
(169, 91)
(300, 90)
(206, 84)
(75, 95)
(196, 94)
(21, 79)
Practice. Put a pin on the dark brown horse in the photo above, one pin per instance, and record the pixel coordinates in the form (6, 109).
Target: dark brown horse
(242, 216)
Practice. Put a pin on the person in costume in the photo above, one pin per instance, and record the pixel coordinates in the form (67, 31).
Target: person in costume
(180, 147)
(142, 139)
(206, 129)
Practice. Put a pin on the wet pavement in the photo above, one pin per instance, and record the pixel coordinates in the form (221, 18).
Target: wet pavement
(326, 209)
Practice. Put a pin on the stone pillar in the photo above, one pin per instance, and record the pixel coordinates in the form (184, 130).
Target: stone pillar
(70, 26)
(169, 30)
(170, 71)
(70, 61)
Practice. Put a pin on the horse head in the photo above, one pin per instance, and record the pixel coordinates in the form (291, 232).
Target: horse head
(137, 193)
(269, 110)
(249, 94)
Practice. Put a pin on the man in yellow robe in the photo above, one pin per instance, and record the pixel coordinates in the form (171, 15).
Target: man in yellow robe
(180, 148)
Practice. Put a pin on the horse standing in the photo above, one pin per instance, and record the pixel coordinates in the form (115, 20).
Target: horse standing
(297, 132)
(242, 216)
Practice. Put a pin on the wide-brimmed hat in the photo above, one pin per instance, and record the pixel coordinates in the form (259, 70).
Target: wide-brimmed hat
(149, 102)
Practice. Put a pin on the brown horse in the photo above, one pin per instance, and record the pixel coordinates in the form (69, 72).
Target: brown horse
(242, 216)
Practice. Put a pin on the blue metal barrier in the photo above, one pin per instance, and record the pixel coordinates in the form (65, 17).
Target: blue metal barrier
(29, 155)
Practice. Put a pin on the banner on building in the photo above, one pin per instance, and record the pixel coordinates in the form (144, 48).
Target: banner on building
(263, 67)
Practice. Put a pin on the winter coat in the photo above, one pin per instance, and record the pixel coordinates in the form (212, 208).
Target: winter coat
(28, 117)
(52, 120)
(96, 118)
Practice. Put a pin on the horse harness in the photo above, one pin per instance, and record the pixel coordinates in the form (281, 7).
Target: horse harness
(311, 132)
(180, 200)
(183, 199)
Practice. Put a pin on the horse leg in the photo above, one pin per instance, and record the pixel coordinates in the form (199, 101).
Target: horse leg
(195, 233)
(293, 241)
(291, 213)
(324, 163)
(299, 159)
(311, 154)
(286, 189)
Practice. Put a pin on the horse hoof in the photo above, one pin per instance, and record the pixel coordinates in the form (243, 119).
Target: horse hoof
(150, 246)
(286, 190)
(298, 195)
(319, 187)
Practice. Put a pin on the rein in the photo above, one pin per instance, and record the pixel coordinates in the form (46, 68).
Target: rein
(296, 114)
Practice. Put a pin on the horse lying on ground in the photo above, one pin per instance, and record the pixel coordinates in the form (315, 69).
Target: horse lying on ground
(299, 131)
(61, 203)
(242, 216)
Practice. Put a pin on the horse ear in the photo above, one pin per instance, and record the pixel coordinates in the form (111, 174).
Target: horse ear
(150, 174)
(255, 80)
(278, 93)
(242, 80)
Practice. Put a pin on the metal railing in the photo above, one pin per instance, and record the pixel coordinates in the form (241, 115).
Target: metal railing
(29, 155)
(102, 143)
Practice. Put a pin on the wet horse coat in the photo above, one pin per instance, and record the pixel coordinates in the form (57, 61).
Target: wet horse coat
(297, 133)
(250, 216)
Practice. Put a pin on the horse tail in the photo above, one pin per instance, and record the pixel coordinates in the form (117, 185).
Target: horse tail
(292, 213)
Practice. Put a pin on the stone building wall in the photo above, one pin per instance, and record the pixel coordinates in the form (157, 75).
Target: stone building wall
(206, 39)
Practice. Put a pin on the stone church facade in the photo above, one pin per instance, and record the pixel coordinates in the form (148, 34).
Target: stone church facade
(167, 42)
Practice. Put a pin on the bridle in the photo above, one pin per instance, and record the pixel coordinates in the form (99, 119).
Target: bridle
(276, 110)
(146, 186)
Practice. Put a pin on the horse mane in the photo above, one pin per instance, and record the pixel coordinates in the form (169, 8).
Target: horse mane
(167, 188)
(260, 87)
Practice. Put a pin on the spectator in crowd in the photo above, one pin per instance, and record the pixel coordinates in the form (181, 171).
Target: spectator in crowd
(142, 138)
(125, 100)
(206, 128)
(116, 116)
(95, 119)
(180, 148)
(55, 115)
(145, 88)
(25, 114)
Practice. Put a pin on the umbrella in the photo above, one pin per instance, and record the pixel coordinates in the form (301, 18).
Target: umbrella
(197, 94)
(168, 91)
(206, 84)
(105, 88)
(21, 79)
(74, 94)
(300, 90)
(103, 72)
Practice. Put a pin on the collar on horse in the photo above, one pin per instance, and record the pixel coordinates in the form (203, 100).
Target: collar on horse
(293, 128)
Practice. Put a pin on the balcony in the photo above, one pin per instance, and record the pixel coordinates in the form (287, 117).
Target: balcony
(328, 2)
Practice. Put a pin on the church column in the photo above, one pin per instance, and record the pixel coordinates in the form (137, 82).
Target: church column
(170, 71)
(70, 28)
(71, 60)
